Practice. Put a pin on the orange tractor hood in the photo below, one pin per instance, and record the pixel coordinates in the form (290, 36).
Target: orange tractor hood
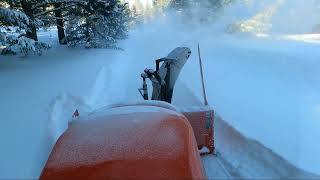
(140, 141)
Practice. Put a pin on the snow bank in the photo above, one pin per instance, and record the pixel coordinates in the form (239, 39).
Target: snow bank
(62, 109)
(38, 97)
(242, 158)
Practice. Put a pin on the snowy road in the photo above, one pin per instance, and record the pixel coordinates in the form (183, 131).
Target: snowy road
(243, 158)
(239, 157)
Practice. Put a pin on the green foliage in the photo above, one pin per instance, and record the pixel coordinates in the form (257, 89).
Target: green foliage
(15, 26)
(89, 23)
(23, 45)
(97, 24)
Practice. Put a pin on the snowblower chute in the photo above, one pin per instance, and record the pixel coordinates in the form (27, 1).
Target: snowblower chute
(164, 77)
(163, 81)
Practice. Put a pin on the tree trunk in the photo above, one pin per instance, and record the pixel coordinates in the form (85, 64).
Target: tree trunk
(60, 24)
(32, 30)
(87, 31)
(11, 5)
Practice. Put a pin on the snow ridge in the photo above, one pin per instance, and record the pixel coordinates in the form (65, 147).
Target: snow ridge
(242, 158)
(100, 87)
(62, 108)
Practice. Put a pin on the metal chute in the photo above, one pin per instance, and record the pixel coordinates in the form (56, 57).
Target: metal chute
(165, 76)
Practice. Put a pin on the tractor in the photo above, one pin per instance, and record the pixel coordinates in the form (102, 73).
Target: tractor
(147, 139)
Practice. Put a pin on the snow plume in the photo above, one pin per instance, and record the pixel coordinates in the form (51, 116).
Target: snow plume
(259, 23)
(257, 84)
(99, 93)
(274, 16)
(297, 17)
(256, 17)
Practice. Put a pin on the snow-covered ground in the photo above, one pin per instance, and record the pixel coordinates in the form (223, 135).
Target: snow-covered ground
(266, 87)
(35, 92)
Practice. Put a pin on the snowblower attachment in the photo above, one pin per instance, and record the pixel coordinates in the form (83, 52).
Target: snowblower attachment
(165, 77)
(163, 81)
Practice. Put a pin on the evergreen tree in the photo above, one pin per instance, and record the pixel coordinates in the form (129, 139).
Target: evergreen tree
(52, 13)
(88, 23)
(97, 23)
(18, 32)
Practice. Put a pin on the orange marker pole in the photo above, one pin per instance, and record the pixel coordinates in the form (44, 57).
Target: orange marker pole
(202, 79)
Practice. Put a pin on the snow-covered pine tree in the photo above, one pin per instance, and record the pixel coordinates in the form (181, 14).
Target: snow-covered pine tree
(179, 5)
(18, 28)
(97, 23)
(53, 13)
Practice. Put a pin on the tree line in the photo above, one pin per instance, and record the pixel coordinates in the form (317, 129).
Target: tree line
(84, 23)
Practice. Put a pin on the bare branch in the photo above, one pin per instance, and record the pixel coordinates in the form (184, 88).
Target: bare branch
(54, 9)
(56, 2)
(50, 18)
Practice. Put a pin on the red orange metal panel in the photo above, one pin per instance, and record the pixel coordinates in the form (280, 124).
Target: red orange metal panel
(142, 145)
(202, 123)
